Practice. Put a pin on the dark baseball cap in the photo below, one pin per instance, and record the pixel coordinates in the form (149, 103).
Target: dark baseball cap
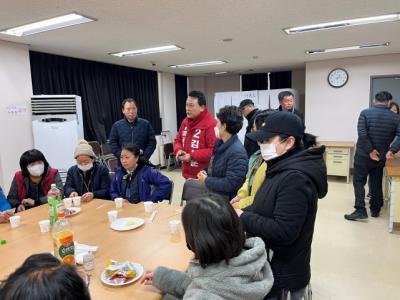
(245, 102)
(277, 123)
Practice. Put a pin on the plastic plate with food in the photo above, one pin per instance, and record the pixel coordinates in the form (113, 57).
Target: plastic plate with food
(123, 224)
(117, 274)
(69, 212)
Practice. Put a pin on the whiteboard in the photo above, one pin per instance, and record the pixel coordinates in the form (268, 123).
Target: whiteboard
(261, 100)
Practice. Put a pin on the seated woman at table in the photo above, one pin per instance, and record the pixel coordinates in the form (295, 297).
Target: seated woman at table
(5, 209)
(42, 276)
(30, 185)
(87, 178)
(228, 164)
(138, 180)
(225, 264)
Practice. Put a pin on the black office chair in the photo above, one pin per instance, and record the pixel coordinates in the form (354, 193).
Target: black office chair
(169, 157)
(192, 188)
(96, 148)
(112, 164)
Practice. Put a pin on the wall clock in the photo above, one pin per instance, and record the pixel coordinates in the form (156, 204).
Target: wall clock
(338, 77)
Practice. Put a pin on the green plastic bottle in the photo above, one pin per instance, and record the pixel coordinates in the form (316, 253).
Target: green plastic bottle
(54, 200)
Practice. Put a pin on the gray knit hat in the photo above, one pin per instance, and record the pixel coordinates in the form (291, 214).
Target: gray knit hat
(84, 148)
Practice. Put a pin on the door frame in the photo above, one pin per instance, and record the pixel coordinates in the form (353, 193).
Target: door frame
(371, 96)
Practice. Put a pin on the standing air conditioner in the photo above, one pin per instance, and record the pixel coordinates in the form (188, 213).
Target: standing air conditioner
(57, 127)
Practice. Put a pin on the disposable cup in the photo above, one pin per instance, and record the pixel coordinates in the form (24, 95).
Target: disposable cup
(148, 206)
(77, 201)
(67, 202)
(174, 226)
(118, 202)
(15, 221)
(112, 215)
(44, 226)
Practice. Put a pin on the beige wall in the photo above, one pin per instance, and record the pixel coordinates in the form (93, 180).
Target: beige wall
(332, 113)
(212, 85)
(16, 89)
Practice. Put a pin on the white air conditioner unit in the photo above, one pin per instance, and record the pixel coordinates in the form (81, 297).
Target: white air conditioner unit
(57, 127)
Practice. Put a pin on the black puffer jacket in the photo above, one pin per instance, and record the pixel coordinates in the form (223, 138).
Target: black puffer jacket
(377, 127)
(283, 214)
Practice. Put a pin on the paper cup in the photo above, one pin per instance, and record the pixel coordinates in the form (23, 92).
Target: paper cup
(44, 226)
(118, 202)
(15, 221)
(67, 202)
(174, 226)
(112, 215)
(77, 201)
(148, 206)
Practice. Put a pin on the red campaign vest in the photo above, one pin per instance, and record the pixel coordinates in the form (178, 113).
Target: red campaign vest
(46, 183)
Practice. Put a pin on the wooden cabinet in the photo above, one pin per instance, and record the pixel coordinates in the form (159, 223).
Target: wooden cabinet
(392, 192)
(338, 157)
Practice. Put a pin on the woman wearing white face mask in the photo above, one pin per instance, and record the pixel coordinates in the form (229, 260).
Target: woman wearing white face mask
(30, 185)
(87, 178)
(284, 208)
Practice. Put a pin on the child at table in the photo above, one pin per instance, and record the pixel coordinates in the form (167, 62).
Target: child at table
(42, 276)
(138, 180)
(225, 264)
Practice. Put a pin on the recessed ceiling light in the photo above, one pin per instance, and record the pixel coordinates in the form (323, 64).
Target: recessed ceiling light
(315, 51)
(49, 24)
(219, 73)
(199, 64)
(344, 23)
(147, 51)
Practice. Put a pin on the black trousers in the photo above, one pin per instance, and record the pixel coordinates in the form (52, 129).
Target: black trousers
(364, 166)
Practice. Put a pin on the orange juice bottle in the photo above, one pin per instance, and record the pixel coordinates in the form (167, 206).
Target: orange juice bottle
(63, 240)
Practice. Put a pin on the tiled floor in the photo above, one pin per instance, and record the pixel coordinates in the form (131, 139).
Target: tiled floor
(350, 260)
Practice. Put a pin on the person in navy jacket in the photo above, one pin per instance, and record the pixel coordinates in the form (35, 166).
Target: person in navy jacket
(228, 166)
(138, 180)
(132, 130)
(87, 178)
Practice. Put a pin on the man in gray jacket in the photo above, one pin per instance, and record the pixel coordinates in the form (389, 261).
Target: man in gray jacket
(377, 129)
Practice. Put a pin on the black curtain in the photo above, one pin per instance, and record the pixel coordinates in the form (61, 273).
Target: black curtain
(259, 81)
(102, 88)
(181, 95)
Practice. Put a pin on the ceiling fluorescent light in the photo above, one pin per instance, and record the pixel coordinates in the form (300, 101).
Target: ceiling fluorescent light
(147, 51)
(316, 51)
(338, 24)
(49, 24)
(219, 73)
(200, 64)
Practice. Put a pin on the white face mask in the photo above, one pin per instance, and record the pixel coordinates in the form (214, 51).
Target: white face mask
(85, 168)
(268, 151)
(36, 170)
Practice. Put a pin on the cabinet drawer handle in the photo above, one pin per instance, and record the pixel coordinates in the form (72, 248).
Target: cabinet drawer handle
(337, 156)
(337, 151)
(337, 162)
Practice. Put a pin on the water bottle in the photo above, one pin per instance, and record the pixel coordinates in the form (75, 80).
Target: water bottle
(54, 200)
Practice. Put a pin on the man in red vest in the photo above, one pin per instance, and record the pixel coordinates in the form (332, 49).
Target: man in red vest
(194, 143)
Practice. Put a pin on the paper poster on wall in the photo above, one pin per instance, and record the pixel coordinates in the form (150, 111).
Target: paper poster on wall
(17, 110)
(262, 99)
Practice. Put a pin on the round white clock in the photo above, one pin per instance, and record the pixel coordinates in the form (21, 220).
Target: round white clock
(338, 77)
